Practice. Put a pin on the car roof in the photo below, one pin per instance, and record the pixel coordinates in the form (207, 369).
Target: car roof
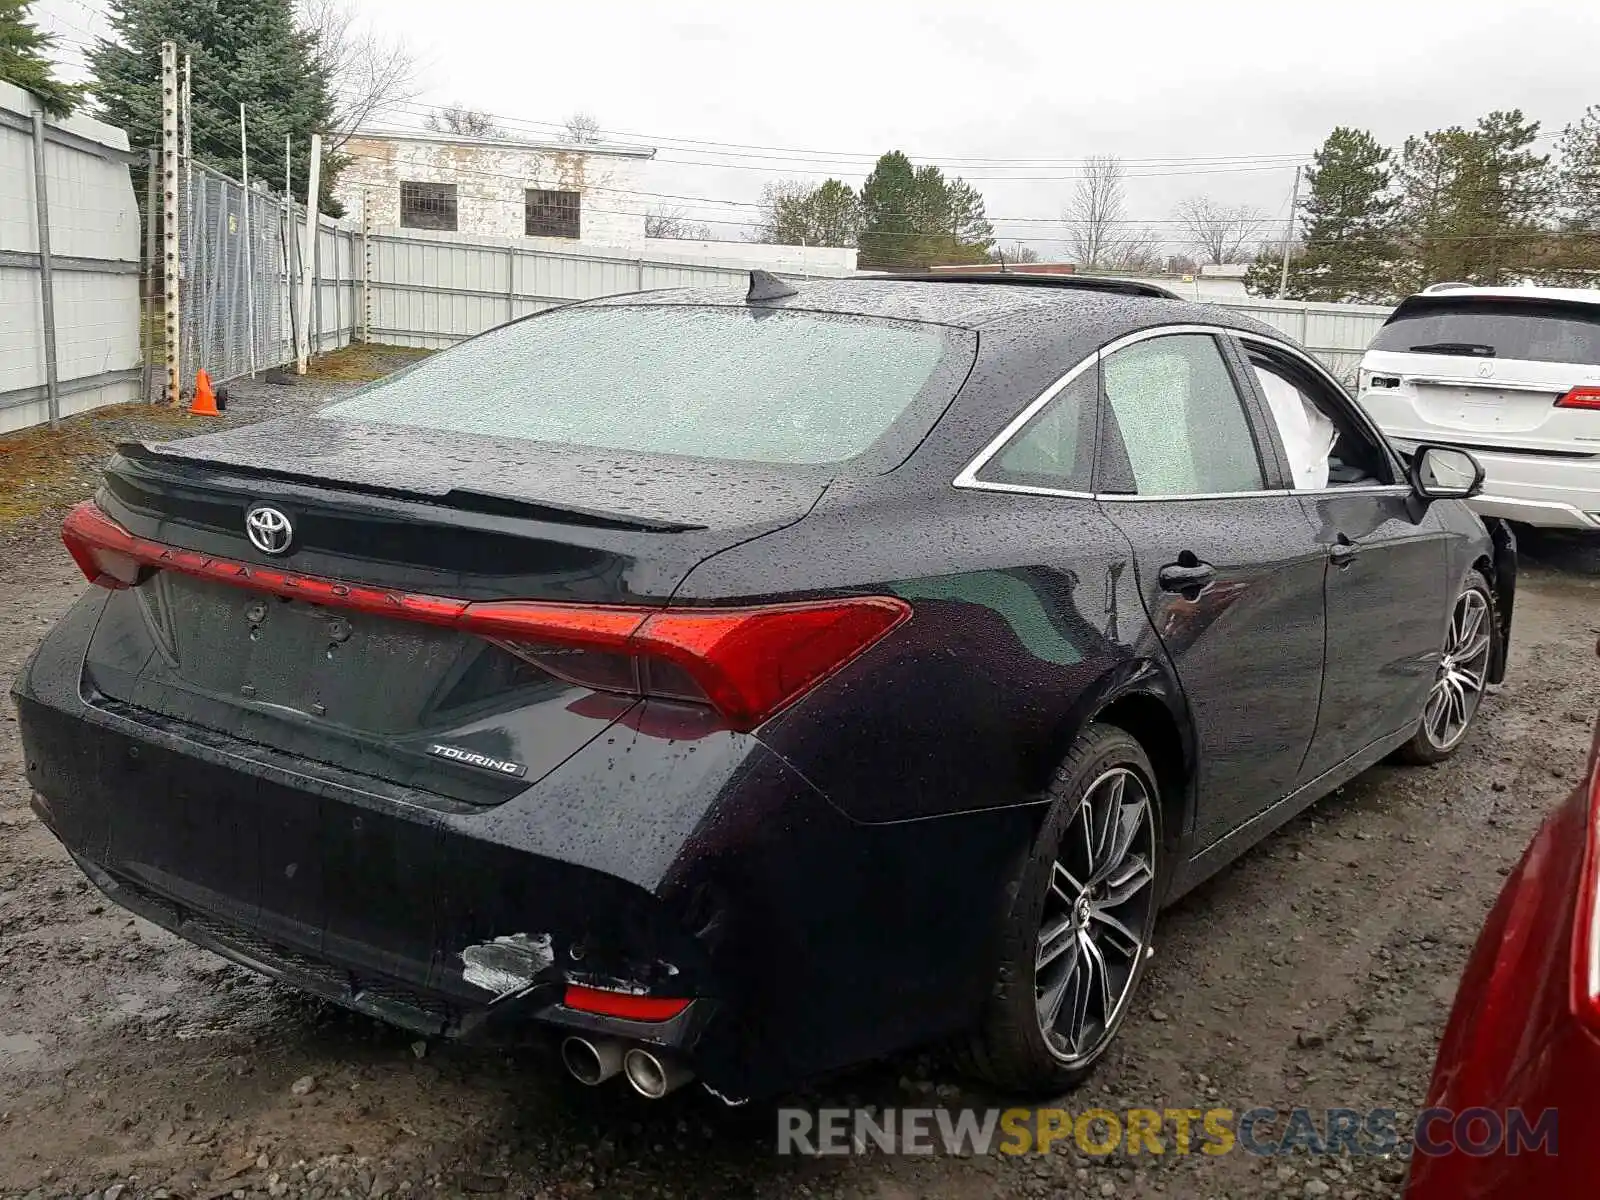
(981, 304)
(1441, 294)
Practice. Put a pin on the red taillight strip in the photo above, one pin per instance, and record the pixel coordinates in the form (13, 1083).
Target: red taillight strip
(1581, 397)
(749, 661)
(87, 530)
(622, 1004)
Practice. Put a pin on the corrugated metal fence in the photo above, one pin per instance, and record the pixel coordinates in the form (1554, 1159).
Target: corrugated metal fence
(88, 353)
(1338, 334)
(434, 289)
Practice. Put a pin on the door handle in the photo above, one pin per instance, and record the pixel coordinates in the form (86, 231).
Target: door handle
(1342, 553)
(1178, 577)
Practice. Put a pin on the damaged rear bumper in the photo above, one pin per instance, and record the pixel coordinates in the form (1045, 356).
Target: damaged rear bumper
(705, 869)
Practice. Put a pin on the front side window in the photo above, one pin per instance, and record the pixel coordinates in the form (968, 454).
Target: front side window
(1326, 447)
(428, 206)
(744, 384)
(1179, 418)
(552, 214)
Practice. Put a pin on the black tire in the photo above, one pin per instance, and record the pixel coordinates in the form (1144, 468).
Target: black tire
(1426, 745)
(1010, 1047)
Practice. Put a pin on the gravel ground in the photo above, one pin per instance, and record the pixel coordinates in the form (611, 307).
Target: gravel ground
(1316, 971)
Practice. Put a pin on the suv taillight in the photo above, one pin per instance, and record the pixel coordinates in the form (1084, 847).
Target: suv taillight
(1581, 397)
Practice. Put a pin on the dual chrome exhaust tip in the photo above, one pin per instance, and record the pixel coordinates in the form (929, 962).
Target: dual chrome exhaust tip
(592, 1061)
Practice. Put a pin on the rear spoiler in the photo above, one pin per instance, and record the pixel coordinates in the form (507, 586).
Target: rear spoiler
(459, 499)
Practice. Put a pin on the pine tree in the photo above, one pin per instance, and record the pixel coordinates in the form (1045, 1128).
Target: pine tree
(1576, 251)
(1474, 203)
(969, 224)
(1579, 177)
(913, 217)
(888, 229)
(1347, 223)
(243, 51)
(22, 61)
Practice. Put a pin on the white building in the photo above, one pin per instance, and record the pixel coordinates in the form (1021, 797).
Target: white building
(556, 192)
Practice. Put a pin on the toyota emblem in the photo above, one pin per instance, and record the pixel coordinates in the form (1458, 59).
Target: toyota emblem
(269, 530)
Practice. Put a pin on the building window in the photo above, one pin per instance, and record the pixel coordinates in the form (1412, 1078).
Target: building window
(552, 214)
(428, 206)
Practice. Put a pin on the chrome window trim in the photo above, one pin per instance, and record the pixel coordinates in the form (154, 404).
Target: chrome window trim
(968, 478)
(1358, 490)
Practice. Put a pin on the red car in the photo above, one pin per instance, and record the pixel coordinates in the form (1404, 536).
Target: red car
(1513, 1111)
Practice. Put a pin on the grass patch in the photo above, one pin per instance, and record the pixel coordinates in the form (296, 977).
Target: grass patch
(363, 362)
(44, 469)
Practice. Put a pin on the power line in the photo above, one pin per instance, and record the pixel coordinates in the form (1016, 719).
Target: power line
(527, 181)
(739, 149)
(1529, 235)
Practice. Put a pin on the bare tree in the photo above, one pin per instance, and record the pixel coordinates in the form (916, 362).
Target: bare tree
(582, 128)
(664, 222)
(1220, 233)
(1136, 251)
(1094, 213)
(371, 73)
(464, 122)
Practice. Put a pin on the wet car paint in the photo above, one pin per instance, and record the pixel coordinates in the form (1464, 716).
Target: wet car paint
(798, 882)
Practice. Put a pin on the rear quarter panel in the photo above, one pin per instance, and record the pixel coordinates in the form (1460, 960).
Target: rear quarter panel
(1026, 618)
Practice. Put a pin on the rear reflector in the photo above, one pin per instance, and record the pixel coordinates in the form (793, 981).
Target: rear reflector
(622, 1004)
(746, 662)
(1581, 397)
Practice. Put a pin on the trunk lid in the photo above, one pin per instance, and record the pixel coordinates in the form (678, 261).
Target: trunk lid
(430, 711)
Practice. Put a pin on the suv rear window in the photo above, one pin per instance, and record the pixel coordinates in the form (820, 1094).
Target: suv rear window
(1518, 329)
(751, 385)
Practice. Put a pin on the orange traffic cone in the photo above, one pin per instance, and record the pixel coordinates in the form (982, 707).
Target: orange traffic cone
(205, 400)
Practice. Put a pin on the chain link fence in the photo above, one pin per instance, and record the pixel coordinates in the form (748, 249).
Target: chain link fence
(241, 254)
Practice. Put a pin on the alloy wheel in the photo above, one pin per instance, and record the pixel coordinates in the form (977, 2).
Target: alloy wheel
(1096, 916)
(1458, 685)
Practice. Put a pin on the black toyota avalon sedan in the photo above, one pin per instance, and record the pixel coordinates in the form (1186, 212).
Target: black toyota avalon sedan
(739, 686)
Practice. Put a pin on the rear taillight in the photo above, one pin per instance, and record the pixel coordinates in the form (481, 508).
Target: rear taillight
(1581, 397)
(1586, 924)
(747, 662)
(627, 1005)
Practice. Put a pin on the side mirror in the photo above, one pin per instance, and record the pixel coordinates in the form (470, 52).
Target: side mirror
(1444, 473)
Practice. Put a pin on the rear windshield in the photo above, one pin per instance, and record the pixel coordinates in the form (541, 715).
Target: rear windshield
(1494, 329)
(731, 383)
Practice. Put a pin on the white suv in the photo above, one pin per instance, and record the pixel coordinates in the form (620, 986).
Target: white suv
(1512, 374)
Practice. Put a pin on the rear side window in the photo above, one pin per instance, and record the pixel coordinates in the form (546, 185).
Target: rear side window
(1056, 448)
(741, 384)
(1488, 328)
(1179, 418)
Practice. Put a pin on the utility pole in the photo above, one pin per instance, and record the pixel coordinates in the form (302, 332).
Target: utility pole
(249, 252)
(308, 278)
(1288, 235)
(47, 287)
(169, 217)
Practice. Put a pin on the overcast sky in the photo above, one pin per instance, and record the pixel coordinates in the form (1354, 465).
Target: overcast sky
(1045, 83)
